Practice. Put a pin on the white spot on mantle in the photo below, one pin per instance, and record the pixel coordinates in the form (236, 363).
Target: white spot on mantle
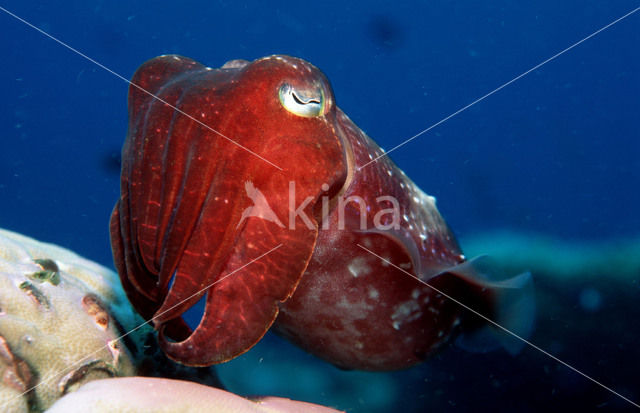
(358, 267)
(405, 312)
(373, 293)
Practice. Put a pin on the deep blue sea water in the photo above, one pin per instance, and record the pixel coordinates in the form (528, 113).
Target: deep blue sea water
(556, 152)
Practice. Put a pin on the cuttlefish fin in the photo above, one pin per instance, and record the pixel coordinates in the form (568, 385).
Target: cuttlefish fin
(513, 310)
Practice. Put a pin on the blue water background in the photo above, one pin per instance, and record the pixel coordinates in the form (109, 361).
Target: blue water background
(557, 152)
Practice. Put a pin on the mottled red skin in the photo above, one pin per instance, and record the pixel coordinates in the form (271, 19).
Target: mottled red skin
(183, 194)
(357, 311)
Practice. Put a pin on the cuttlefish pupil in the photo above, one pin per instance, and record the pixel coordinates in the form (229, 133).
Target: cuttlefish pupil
(307, 103)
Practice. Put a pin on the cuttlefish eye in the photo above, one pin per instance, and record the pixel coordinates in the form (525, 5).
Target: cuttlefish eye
(302, 102)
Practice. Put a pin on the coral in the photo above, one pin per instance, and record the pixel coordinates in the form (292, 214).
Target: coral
(57, 325)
